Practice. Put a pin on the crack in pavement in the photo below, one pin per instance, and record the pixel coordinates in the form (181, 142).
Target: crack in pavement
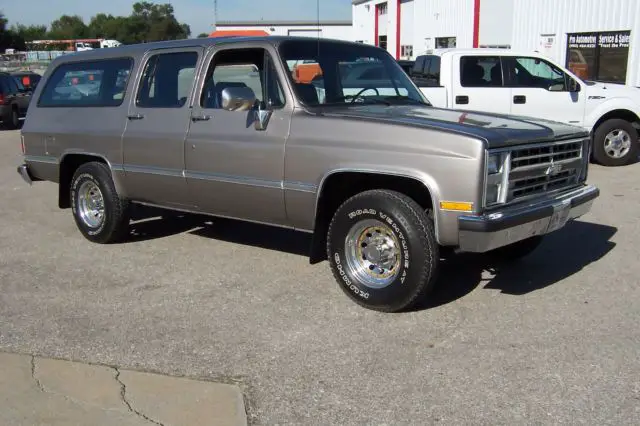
(123, 396)
(33, 374)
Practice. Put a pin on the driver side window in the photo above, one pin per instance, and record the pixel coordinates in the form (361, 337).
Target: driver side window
(535, 73)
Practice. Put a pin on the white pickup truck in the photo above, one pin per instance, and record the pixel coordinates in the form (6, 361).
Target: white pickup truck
(531, 85)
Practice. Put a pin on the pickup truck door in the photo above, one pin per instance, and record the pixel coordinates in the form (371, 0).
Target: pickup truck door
(478, 84)
(234, 169)
(157, 125)
(541, 90)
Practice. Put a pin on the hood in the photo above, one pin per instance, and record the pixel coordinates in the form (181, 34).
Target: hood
(495, 129)
(598, 90)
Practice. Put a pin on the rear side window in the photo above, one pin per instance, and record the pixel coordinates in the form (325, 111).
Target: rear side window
(100, 83)
(167, 80)
(481, 71)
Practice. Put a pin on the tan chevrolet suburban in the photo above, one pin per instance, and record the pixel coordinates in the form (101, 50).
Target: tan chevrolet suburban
(357, 157)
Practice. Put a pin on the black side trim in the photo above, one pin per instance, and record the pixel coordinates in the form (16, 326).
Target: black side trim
(484, 225)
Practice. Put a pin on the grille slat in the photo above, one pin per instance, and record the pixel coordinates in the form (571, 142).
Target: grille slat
(542, 168)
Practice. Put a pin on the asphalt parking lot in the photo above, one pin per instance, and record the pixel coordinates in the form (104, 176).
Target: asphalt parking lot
(554, 339)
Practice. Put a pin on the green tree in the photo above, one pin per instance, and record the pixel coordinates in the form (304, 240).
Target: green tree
(69, 27)
(9, 39)
(30, 32)
(203, 35)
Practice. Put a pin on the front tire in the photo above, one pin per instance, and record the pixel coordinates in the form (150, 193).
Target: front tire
(382, 250)
(615, 143)
(100, 214)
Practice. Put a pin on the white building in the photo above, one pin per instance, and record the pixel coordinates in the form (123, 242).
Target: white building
(341, 30)
(408, 28)
(594, 38)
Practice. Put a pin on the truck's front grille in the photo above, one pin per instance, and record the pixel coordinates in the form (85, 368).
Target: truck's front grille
(536, 169)
(544, 155)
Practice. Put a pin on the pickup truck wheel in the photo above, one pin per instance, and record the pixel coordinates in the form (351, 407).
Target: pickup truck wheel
(516, 251)
(100, 214)
(615, 143)
(382, 250)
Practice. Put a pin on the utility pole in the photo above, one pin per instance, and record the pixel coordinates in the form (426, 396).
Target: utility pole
(215, 14)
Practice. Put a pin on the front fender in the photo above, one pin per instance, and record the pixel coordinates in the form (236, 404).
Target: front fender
(608, 106)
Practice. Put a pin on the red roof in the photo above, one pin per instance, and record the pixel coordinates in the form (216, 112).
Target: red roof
(238, 33)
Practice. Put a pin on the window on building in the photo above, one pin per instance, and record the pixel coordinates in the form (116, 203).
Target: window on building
(445, 42)
(601, 56)
(382, 9)
(92, 83)
(167, 80)
(406, 51)
(480, 71)
(382, 42)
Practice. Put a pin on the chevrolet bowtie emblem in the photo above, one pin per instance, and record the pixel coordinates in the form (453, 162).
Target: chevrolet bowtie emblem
(553, 169)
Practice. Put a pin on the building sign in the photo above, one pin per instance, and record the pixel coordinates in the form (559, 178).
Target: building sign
(601, 56)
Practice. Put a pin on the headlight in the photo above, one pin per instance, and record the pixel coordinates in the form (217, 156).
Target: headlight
(494, 179)
(494, 163)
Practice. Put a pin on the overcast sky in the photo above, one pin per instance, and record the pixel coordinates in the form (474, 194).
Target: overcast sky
(197, 13)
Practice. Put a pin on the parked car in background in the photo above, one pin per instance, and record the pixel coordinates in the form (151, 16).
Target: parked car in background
(14, 101)
(406, 65)
(29, 79)
(381, 180)
(529, 84)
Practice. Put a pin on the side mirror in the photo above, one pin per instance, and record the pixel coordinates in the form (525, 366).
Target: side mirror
(574, 86)
(238, 98)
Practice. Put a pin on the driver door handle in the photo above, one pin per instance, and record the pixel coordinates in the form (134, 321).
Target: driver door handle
(519, 99)
(200, 118)
(135, 117)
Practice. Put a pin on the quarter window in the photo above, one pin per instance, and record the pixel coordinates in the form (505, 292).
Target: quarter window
(167, 80)
(101, 83)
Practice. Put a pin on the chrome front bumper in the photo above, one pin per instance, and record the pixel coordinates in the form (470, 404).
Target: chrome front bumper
(23, 170)
(483, 233)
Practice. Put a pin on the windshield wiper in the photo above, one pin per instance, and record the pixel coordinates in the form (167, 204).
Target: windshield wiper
(407, 99)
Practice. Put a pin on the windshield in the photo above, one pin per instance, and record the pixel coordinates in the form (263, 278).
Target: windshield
(332, 73)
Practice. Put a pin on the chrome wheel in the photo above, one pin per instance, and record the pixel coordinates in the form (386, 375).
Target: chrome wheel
(373, 253)
(90, 204)
(617, 143)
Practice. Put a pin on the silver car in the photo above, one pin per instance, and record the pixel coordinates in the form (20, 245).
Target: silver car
(229, 127)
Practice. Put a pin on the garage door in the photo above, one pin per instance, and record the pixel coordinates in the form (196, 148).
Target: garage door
(306, 33)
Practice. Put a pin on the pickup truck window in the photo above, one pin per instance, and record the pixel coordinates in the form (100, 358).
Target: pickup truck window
(87, 84)
(346, 74)
(480, 71)
(535, 73)
(251, 68)
(166, 80)
(426, 72)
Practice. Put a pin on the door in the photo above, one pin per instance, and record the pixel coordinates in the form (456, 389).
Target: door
(540, 89)
(157, 125)
(232, 168)
(480, 84)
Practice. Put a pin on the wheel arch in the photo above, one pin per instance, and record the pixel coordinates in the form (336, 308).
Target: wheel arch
(606, 112)
(69, 163)
(339, 184)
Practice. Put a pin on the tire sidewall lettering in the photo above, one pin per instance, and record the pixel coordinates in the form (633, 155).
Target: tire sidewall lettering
(361, 290)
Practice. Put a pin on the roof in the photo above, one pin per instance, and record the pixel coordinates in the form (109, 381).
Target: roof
(141, 48)
(357, 2)
(325, 23)
(476, 51)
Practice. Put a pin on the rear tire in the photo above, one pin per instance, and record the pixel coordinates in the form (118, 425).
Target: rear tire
(615, 143)
(100, 214)
(382, 250)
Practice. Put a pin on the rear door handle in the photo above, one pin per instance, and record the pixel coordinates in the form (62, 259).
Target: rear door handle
(462, 99)
(201, 118)
(519, 99)
(135, 117)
